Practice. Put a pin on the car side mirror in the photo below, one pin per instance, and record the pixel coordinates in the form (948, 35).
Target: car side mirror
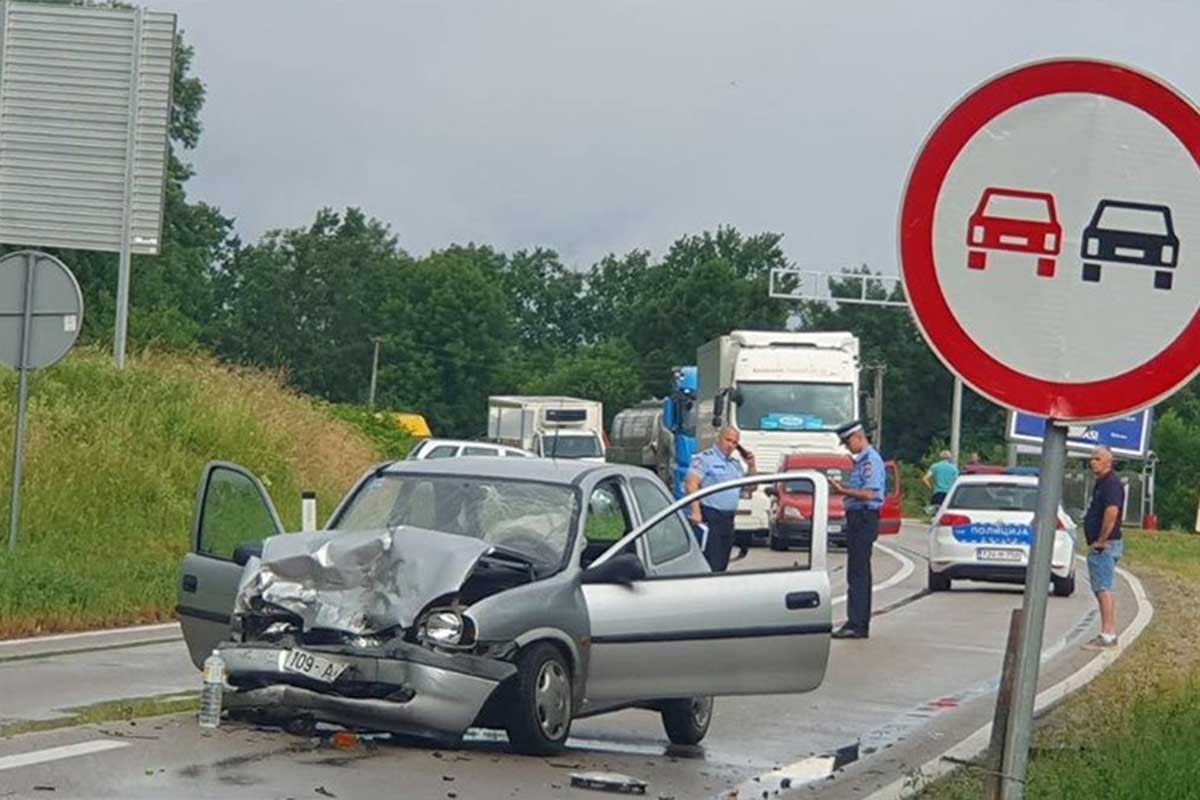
(737, 396)
(623, 569)
(242, 553)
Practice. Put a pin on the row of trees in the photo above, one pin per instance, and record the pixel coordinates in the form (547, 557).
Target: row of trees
(467, 321)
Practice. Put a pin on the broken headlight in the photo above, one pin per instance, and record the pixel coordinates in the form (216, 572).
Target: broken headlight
(446, 627)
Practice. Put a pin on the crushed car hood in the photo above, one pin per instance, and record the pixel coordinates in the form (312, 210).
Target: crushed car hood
(359, 582)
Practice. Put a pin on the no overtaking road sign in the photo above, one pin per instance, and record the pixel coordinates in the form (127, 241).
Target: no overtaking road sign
(1050, 239)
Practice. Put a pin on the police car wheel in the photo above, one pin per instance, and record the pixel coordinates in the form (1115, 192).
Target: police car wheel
(686, 721)
(1063, 587)
(938, 582)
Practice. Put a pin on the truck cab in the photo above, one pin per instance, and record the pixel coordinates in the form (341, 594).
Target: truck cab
(785, 392)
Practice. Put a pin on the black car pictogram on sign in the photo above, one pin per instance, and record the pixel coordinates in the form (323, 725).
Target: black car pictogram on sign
(1125, 232)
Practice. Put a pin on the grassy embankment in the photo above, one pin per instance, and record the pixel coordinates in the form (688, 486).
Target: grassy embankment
(112, 461)
(1135, 731)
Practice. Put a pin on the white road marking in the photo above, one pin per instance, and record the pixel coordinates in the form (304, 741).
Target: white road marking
(906, 569)
(59, 753)
(976, 743)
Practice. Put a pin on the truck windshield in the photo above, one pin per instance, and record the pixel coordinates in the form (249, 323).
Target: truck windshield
(794, 406)
(568, 445)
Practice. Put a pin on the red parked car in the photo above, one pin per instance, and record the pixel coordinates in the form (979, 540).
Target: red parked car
(1017, 220)
(789, 522)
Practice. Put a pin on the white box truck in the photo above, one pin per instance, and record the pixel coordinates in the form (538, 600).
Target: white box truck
(785, 392)
(552, 427)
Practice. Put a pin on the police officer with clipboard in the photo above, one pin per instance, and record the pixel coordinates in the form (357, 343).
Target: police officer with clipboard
(864, 492)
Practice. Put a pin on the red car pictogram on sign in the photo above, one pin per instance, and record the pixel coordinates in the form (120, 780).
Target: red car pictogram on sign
(1017, 220)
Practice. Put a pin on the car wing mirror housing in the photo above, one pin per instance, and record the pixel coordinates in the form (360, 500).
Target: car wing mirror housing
(242, 553)
(623, 569)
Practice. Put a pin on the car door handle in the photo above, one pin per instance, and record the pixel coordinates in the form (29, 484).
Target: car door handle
(797, 600)
(191, 583)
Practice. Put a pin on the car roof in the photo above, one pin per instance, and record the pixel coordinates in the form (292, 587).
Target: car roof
(819, 459)
(563, 470)
(1015, 480)
(468, 443)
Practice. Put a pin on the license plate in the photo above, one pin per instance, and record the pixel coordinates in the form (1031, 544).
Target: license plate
(311, 665)
(1000, 555)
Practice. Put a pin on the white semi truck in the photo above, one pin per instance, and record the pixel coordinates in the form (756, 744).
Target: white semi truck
(552, 427)
(785, 392)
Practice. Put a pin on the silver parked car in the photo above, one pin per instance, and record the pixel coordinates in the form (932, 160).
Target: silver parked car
(511, 593)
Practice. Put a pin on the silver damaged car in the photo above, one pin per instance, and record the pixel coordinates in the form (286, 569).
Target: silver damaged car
(518, 594)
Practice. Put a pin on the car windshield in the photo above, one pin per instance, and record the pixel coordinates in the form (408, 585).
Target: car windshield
(806, 487)
(1139, 220)
(994, 497)
(794, 406)
(1033, 209)
(571, 445)
(533, 519)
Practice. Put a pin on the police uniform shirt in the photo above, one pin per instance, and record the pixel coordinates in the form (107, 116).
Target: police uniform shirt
(866, 474)
(714, 467)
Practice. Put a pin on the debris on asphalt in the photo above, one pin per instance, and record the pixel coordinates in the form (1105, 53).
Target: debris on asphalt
(321, 790)
(448, 778)
(345, 740)
(608, 782)
(44, 788)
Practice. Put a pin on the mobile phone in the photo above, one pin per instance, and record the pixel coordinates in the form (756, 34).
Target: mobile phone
(743, 452)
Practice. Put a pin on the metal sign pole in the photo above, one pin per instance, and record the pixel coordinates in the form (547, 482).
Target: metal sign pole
(123, 265)
(22, 401)
(956, 419)
(1037, 582)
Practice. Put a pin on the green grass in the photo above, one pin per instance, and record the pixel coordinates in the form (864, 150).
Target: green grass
(112, 462)
(1134, 732)
(109, 711)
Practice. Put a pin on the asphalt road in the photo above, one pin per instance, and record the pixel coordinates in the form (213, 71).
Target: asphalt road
(925, 675)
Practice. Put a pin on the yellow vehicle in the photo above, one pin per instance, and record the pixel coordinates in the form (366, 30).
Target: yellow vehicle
(415, 424)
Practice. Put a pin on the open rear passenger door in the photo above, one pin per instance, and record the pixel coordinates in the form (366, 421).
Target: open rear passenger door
(233, 516)
(893, 500)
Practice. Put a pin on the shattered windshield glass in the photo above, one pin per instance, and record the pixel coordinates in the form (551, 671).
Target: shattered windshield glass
(532, 519)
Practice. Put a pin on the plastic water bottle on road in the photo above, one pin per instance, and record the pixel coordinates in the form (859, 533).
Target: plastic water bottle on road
(210, 699)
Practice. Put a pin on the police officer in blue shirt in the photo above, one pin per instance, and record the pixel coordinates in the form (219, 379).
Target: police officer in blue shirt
(717, 510)
(864, 497)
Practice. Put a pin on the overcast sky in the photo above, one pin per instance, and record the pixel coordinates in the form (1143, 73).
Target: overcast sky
(611, 125)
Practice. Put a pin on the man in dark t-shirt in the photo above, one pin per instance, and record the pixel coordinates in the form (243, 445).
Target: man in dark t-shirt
(1102, 527)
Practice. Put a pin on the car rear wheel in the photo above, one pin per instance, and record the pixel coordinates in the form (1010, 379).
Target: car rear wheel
(539, 720)
(938, 582)
(776, 541)
(1063, 587)
(686, 721)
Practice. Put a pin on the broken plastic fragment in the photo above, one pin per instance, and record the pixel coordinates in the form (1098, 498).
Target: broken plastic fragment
(608, 782)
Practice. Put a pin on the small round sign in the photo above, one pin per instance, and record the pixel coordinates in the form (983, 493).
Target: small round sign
(1050, 239)
(54, 309)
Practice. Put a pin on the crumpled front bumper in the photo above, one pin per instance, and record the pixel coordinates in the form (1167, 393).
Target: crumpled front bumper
(435, 694)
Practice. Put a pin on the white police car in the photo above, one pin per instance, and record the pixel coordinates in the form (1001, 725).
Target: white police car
(983, 531)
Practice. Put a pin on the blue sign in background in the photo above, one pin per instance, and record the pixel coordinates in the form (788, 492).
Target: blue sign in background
(1128, 436)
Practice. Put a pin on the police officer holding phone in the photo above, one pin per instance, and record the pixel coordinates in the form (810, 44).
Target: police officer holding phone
(864, 497)
(717, 510)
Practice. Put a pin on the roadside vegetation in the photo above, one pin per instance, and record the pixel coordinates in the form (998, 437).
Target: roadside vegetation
(112, 463)
(1134, 732)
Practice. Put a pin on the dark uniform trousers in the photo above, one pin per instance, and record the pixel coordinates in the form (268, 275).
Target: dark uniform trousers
(862, 529)
(720, 537)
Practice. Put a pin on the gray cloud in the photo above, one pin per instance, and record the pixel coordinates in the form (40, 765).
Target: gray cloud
(604, 126)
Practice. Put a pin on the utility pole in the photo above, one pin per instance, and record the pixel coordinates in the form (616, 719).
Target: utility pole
(956, 419)
(374, 373)
(877, 403)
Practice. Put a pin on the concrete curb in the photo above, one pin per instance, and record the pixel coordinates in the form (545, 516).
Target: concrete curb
(975, 744)
(88, 641)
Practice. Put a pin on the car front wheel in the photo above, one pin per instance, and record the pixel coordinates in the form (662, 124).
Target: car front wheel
(686, 721)
(540, 717)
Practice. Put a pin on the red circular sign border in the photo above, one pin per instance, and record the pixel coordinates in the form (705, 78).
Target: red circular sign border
(1110, 397)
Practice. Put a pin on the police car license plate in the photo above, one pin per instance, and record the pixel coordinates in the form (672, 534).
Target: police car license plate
(311, 665)
(984, 554)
